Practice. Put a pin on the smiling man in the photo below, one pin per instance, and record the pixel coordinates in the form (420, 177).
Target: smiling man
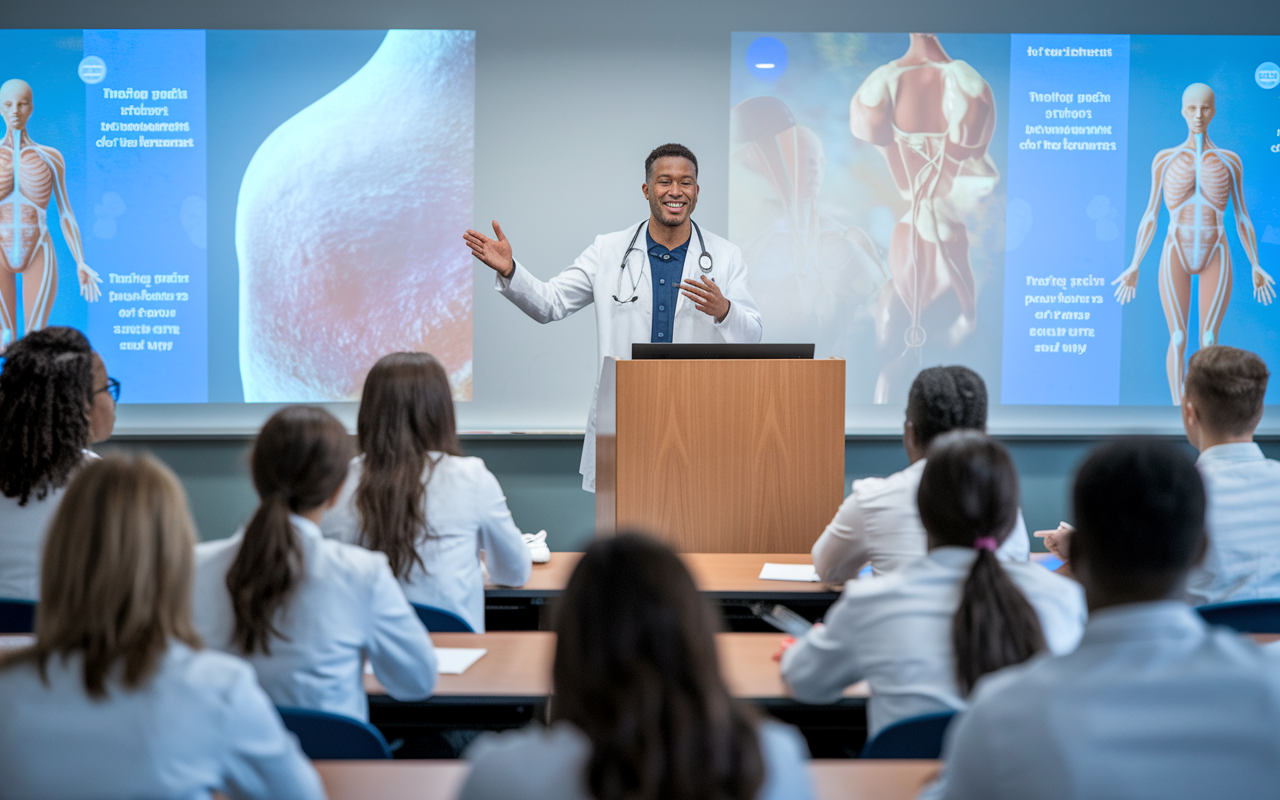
(663, 280)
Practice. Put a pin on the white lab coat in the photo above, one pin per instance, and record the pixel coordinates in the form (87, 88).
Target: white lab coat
(467, 515)
(200, 723)
(1152, 704)
(593, 278)
(22, 532)
(347, 608)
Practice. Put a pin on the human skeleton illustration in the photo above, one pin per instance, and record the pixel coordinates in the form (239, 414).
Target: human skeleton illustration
(30, 175)
(932, 118)
(1198, 180)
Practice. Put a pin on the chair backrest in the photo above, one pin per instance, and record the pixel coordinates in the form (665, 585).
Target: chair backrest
(917, 737)
(437, 620)
(1246, 616)
(17, 616)
(325, 735)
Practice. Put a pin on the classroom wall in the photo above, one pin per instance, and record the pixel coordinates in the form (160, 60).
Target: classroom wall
(544, 490)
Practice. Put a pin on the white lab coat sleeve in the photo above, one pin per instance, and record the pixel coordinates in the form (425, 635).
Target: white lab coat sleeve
(506, 555)
(842, 550)
(742, 323)
(1018, 546)
(819, 666)
(399, 649)
(264, 759)
(548, 301)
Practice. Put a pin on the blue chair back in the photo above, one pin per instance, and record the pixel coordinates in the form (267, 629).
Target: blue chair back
(325, 735)
(437, 620)
(17, 616)
(917, 737)
(1246, 616)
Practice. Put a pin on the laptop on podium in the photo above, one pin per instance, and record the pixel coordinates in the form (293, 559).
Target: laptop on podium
(649, 351)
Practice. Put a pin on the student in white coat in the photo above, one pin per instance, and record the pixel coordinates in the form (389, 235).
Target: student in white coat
(304, 610)
(116, 699)
(879, 523)
(923, 635)
(412, 495)
(1153, 703)
(662, 280)
(55, 400)
(640, 710)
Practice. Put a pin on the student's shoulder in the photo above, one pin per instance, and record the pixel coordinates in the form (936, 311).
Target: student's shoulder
(218, 550)
(533, 762)
(212, 674)
(869, 489)
(1031, 575)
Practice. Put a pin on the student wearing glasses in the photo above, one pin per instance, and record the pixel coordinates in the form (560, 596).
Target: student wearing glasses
(116, 698)
(55, 401)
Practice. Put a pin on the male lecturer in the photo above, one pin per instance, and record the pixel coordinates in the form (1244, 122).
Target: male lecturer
(662, 280)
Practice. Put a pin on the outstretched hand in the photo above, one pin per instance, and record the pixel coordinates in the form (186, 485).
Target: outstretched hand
(1264, 286)
(89, 281)
(495, 253)
(1126, 285)
(706, 297)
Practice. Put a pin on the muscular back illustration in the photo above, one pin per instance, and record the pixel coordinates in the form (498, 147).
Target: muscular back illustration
(932, 118)
(1198, 180)
(31, 175)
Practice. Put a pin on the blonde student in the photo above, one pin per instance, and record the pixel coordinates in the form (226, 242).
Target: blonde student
(116, 698)
(304, 610)
(923, 635)
(412, 495)
(55, 400)
(640, 711)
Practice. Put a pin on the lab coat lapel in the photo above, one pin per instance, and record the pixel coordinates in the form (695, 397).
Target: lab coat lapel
(690, 272)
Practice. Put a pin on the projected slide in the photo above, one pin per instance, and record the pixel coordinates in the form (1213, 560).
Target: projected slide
(1072, 215)
(239, 215)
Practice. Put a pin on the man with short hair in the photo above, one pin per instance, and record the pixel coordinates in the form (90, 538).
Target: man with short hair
(879, 522)
(1153, 703)
(676, 283)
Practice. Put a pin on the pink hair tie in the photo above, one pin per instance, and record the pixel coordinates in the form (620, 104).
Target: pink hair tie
(986, 543)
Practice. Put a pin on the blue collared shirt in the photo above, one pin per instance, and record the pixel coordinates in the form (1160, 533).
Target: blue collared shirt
(666, 267)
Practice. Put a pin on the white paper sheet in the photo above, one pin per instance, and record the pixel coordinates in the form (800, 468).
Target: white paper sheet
(804, 573)
(13, 641)
(449, 660)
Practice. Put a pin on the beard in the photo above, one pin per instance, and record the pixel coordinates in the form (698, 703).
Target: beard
(668, 217)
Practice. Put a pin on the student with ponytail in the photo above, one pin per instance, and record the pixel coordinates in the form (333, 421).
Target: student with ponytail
(302, 609)
(412, 494)
(924, 635)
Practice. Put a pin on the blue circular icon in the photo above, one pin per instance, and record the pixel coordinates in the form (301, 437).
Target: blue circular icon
(1267, 75)
(92, 69)
(767, 58)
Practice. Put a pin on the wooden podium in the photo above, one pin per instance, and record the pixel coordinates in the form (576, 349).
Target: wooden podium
(721, 456)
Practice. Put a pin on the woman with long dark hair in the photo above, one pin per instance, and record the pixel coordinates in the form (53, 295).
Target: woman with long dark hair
(639, 711)
(923, 636)
(305, 610)
(412, 495)
(55, 401)
(116, 698)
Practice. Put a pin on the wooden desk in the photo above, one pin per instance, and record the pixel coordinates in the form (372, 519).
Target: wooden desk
(441, 780)
(517, 669)
(725, 576)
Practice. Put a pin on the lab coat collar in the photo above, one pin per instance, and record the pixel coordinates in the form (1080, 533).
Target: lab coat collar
(1235, 452)
(952, 557)
(306, 528)
(1132, 622)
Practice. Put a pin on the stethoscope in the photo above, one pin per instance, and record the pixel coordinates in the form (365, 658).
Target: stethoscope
(705, 263)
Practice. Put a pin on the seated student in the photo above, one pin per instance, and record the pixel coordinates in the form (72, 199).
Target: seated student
(640, 710)
(1221, 407)
(923, 635)
(878, 522)
(55, 400)
(414, 496)
(305, 610)
(116, 699)
(1153, 703)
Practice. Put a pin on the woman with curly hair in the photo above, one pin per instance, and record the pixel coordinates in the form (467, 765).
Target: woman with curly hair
(55, 400)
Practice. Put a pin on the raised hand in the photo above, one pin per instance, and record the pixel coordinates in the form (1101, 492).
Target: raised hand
(89, 281)
(706, 297)
(1126, 285)
(1264, 286)
(495, 253)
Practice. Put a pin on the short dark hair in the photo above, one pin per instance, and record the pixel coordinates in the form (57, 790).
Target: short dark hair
(664, 151)
(946, 398)
(1139, 508)
(1227, 385)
